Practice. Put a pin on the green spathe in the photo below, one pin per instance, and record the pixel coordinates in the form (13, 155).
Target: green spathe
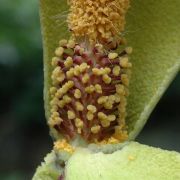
(152, 30)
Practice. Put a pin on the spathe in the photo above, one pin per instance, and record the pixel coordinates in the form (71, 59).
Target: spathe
(152, 30)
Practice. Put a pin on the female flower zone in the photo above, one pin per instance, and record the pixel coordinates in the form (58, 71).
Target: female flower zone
(90, 75)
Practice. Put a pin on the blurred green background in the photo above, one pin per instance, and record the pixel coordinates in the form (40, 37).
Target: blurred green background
(24, 139)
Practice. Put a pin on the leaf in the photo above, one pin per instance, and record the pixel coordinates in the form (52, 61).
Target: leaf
(134, 161)
(152, 30)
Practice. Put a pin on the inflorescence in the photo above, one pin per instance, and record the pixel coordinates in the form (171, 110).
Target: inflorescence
(90, 77)
(88, 93)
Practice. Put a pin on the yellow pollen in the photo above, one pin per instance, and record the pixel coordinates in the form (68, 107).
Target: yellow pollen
(95, 129)
(101, 71)
(102, 116)
(117, 98)
(63, 90)
(125, 79)
(61, 103)
(124, 62)
(96, 71)
(129, 50)
(122, 105)
(54, 101)
(112, 55)
(57, 70)
(70, 84)
(99, 47)
(102, 99)
(70, 73)
(83, 67)
(81, 50)
(106, 79)
(53, 90)
(69, 62)
(107, 70)
(60, 78)
(77, 94)
(108, 105)
(63, 42)
(111, 98)
(91, 108)
(54, 108)
(71, 44)
(54, 61)
(120, 134)
(90, 116)
(59, 51)
(62, 145)
(111, 117)
(113, 140)
(55, 114)
(116, 70)
(105, 123)
(131, 158)
(67, 99)
(85, 78)
(120, 89)
(79, 106)
(71, 115)
(98, 88)
(57, 76)
(54, 121)
(78, 123)
(98, 20)
(77, 70)
(90, 89)
(59, 93)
